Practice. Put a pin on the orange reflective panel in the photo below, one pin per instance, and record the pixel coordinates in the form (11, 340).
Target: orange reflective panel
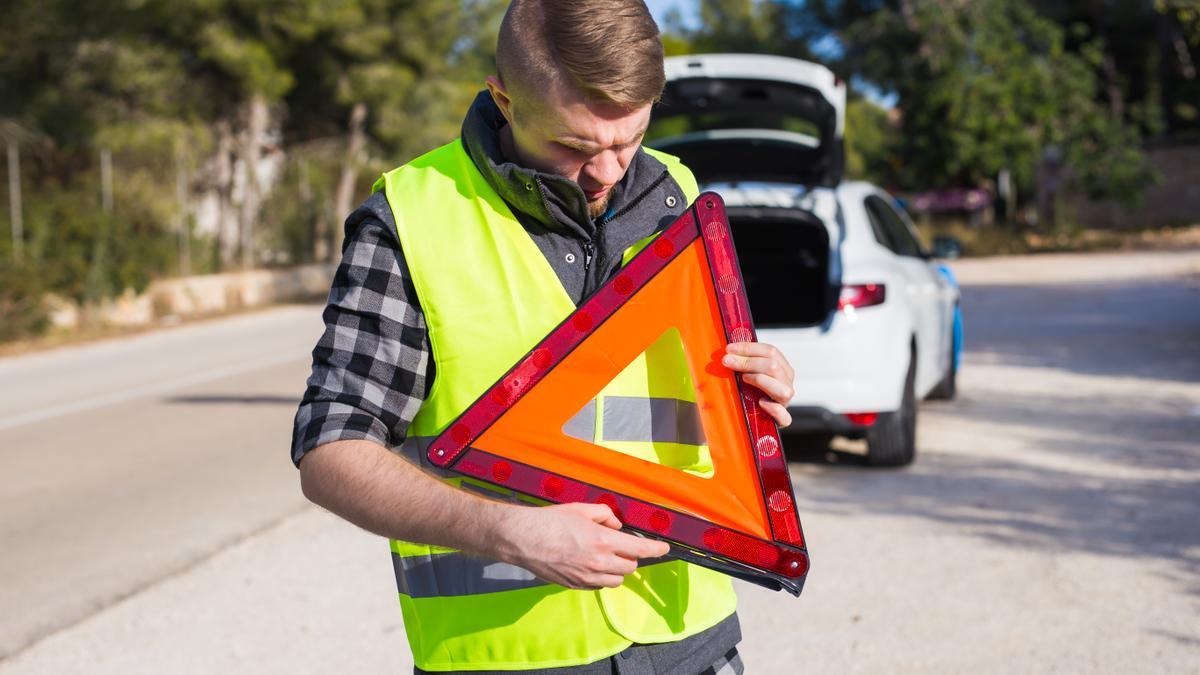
(531, 431)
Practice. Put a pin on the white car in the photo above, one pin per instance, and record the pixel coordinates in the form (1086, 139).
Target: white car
(835, 273)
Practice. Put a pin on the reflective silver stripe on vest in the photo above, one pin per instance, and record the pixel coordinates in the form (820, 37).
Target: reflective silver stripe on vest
(452, 574)
(659, 420)
(638, 419)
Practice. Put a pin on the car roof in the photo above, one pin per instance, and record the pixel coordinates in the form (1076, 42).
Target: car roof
(858, 188)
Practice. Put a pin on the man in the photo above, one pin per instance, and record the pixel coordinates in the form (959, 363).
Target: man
(456, 266)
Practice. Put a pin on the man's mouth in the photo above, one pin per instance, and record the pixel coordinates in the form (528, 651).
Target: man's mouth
(593, 195)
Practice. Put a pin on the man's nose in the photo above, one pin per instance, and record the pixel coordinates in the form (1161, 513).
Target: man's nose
(604, 169)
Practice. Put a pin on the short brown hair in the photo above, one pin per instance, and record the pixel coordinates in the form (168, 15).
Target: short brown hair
(610, 50)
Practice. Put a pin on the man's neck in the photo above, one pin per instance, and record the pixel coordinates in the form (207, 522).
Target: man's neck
(508, 146)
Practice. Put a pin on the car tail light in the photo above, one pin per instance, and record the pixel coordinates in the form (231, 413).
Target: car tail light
(865, 419)
(861, 295)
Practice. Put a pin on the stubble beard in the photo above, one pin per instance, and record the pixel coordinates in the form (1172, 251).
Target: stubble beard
(598, 207)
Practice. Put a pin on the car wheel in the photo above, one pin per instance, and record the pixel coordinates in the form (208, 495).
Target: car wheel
(892, 440)
(948, 387)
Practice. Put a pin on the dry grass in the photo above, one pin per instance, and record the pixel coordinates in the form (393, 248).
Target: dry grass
(1006, 240)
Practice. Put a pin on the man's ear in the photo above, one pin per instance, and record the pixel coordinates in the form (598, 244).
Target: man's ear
(500, 96)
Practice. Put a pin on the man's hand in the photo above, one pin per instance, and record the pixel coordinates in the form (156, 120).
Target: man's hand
(574, 545)
(765, 367)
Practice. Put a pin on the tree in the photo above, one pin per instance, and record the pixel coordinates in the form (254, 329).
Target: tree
(225, 98)
(747, 26)
(985, 86)
(387, 78)
(871, 147)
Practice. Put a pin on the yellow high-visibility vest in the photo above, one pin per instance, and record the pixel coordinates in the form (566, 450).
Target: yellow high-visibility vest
(489, 295)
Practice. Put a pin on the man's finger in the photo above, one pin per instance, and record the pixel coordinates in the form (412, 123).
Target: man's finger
(779, 412)
(619, 565)
(750, 364)
(602, 514)
(636, 548)
(743, 351)
(779, 391)
(609, 580)
(748, 348)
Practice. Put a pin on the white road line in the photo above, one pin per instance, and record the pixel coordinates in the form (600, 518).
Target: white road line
(145, 390)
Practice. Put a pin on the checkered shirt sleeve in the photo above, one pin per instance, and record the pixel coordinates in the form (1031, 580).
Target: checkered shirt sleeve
(371, 365)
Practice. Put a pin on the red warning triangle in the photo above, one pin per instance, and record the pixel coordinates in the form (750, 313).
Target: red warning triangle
(740, 517)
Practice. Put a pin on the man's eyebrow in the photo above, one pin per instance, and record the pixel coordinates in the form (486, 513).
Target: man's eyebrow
(580, 144)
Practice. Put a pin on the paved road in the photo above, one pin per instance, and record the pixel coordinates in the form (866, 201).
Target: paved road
(1051, 523)
(131, 460)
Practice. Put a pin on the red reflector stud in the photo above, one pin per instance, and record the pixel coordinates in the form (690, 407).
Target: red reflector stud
(501, 472)
(780, 501)
(862, 419)
(552, 487)
(543, 359)
(660, 521)
(767, 447)
(611, 502)
(712, 539)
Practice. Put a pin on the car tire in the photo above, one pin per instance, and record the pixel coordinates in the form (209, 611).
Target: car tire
(947, 389)
(892, 440)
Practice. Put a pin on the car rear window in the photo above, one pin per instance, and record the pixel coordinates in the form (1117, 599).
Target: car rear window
(889, 229)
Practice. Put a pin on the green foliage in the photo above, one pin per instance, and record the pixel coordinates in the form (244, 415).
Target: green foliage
(983, 86)
(166, 85)
(870, 143)
(22, 302)
(747, 26)
(301, 206)
(83, 253)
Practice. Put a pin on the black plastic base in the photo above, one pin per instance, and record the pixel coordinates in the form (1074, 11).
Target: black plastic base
(774, 582)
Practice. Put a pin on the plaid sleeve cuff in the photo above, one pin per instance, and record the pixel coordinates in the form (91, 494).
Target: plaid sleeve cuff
(371, 365)
(318, 423)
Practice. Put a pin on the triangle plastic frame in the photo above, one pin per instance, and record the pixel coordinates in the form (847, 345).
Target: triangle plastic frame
(780, 563)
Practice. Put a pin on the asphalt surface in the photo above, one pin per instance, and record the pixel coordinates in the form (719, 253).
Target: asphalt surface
(151, 520)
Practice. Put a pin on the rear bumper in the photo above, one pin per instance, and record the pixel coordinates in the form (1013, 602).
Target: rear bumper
(818, 420)
(855, 364)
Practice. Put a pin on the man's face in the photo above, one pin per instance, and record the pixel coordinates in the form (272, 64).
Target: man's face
(561, 132)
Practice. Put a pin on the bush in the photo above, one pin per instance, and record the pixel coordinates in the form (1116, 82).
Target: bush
(22, 308)
(85, 254)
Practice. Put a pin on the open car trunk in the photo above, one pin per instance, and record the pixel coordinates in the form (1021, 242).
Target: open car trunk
(745, 117)
(784, 255)
(741, 119)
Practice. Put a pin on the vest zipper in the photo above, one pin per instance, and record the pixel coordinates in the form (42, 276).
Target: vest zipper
(588, 249)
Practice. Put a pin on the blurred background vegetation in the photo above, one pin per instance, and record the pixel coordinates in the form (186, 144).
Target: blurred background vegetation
(151, 138)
